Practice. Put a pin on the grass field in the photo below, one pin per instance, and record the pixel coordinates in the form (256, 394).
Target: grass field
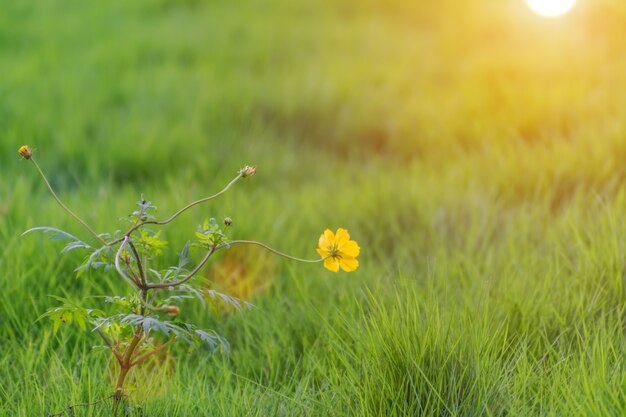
(475, 151)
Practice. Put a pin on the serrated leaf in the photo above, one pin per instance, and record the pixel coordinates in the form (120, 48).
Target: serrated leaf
(183, 257)
(212, 340)
(150, 324)
(234, 302)
(58, 234)
(122, 301)
(197, 293)
(96, 260)
(75, 245)
(70, 312)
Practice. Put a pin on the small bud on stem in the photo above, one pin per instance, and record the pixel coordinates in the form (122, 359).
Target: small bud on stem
(26, 152)
(172, 310)
(247, 171)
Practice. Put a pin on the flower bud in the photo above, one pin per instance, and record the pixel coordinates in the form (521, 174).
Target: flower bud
(247, 171)
(228, 221)
(26, 152)
(172, 310)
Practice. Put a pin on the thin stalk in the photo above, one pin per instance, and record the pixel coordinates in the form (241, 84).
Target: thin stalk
(195, 203)
(264, 246)
(64, 207)
(224, 245)
(179, 212)
(142, 274)
(156, 350)
(118, 266)
(135, 275)
(110, 345)
(188, 277)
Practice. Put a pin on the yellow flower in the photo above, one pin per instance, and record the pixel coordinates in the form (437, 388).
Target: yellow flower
(25, 151)
(338, 250)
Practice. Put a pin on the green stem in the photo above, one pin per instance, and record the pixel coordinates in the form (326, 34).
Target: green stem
(264, 246)
(225, 245)
(118, 267)
(188, 277)
(142, 274)
(124, 369)
(64, 207)
(195, 203)
(110, 345)
(179, 212)
(156, 350)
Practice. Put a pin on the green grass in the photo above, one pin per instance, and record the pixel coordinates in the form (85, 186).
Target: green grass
(474, 151)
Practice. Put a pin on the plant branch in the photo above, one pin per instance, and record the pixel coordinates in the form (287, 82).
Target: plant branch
(188, 277)
(110, 345)
(124, 368)
(142, 274)
(64, 207)
(134, 277)
(195, 203)
(118, 266)
(179, 212)
(156, 350)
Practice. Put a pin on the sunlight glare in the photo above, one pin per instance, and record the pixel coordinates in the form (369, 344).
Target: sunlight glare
(550, 8)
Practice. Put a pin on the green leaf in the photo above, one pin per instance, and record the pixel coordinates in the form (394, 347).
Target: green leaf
(183, 257)
(210, 234)
(58, 234)
(212, 340)
(151, 243)
(57, 324)
(70, 312)
(98, 259)
(234, 302)
(80, 320)
(153, 324)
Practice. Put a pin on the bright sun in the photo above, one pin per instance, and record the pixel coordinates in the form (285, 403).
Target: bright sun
(550, 8)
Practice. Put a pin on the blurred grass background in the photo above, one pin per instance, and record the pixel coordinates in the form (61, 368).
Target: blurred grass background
(473, 149)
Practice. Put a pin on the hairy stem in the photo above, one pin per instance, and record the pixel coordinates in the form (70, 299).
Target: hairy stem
(156, 350)
(264, 246)
(64, 207)
(142, 274)
(110, 345)
(225, 245)
(125, 366)
(134, 275)
(118, 267)
(128, 354)
(186, 278)
(179, 212)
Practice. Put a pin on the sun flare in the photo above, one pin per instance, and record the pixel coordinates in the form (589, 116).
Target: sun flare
(550, 8)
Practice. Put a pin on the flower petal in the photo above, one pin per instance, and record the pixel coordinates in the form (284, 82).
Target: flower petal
(332, 264)
(348, 263)
(323, 252)
(342, 237)
(326, 239)
(351, 249)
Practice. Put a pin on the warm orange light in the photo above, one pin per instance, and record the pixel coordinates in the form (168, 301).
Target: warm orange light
(550, 8)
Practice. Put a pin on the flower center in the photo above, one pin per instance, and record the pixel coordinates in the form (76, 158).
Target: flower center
(333, 252)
